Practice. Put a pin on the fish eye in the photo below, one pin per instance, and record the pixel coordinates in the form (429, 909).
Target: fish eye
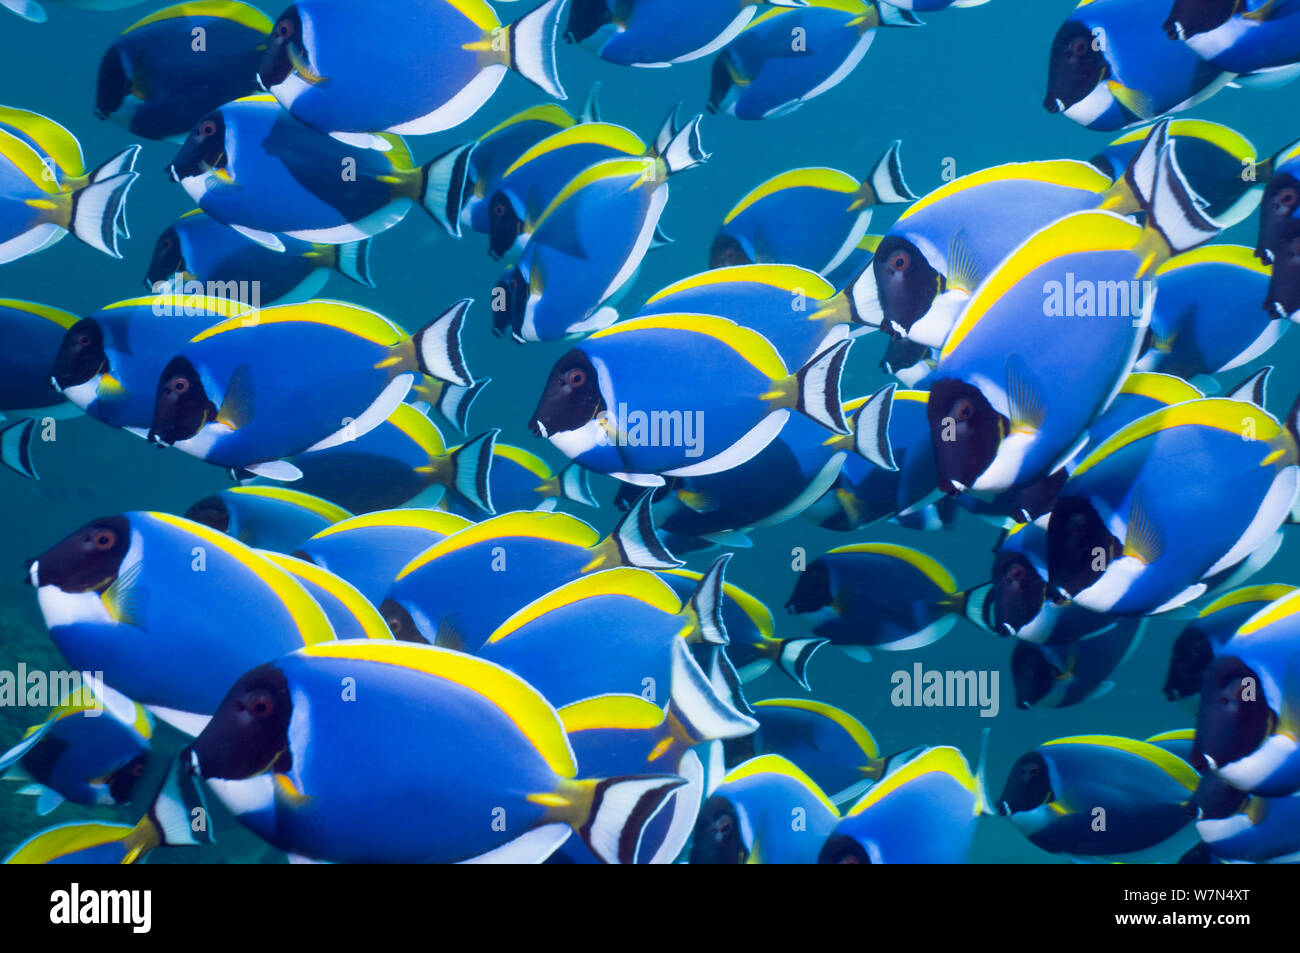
(901, 261)
(576, 377)
(1079, 46)
(104, 538)
(499, 209)
(1288, 197)
(394, 624)
(207, 129)
(1016, 572)
(284, 29)
(178, 385)
(259, 704)
(137, 769)
(82, 340)
(964, 409)
(722, 825)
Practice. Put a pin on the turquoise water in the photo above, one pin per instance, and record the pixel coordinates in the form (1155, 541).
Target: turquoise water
(967, 87)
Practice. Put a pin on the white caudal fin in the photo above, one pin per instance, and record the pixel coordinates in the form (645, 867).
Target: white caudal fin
(575, 485)
(437, 345)
(706, 601)
(871, 428)
(172, 810)
(819, 388)
(16, 447)
(1140, 176)
(472, 465)
(795, 656)
(667, 129)
(97, 210)
(639, 542)
(1175, 211)
(684, 149)
(446, 184)
(455, 401)
(591, 106)
(1253, 389)
(863, 295)
(886, 179)
(704, 712)
(532, 47)
(353, 261)
(621, 809)
(124, 161)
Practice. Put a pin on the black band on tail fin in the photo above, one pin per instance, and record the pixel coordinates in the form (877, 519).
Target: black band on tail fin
(794, 657)
(707, 599)
(709, 707)
(1140, 175)
(667, 129)
(591, 106)
(532, 46)
(455, 401)
(353, 262)
(886, 179)
(446, 184)
(871, 428)
(819, 388)
(621, 809)
(16, 447)
(437, 346)
(472, 465)
(639, 542)
(1254, 389)
(575, 485)
(1175, 210)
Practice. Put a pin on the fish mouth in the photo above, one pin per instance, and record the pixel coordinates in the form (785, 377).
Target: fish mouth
(34, 573)
(1054, 105)
(539, 429)
(172, 173)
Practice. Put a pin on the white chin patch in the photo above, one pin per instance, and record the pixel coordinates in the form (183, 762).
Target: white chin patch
(70, 608)
(1093, 106)
(1253, 770)
(290, 89)
(196, 186)
(247, 796)
(1220, 829)
(1031, 822)
(574, 443)
(1005, 470)
(201, 444)
(85, 393)
(1113, 585)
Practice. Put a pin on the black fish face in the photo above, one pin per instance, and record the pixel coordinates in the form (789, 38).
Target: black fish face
(1190, 17)
(965, 432)
(249, 734)
(509, 304)
(400, 622)
(89, 559)
(905, 282)
(81, 355)
(717, 835)
(168, 259)
(586, 17)
(571, 398)
(719, 82)
(1279, 204)
(842, 849)
(1215, 798)
(181, 406)
(284, 44)
(1038, 498)
(726, 252)
(1018, 593)
(505, 224)
(812, 591)
(1191, 657)
(1284, 286)
(121, 784)
(1074, 68)
(1029, 785)
(1233, 719)
(1079, 546)
(1032, 673)
(210, 511)
(203, 150)
(114, 84)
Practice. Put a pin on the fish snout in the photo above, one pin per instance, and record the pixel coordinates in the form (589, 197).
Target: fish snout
(172, 173)
(33, 570)
(1053, 105)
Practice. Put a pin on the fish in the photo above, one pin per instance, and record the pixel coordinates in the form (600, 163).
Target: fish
(388, 777)
(92, 749)
(266, 517)
(1110, 67)
(353, 73)
(170, 69)
(1058, 676)
(1096, 797)
(1280, 200)
(813, 218)
(463, 588)
(1255, 39)
(250, 165)
(34, 333)
(32, 11)
(765, 811)
(785, 57)
(226, 263)
(1283, 301)
(519, 480)
(878, 595)
(45, 192)
(224, 397)
(923, 811)
(350, 614)
(403, 461)
(599, 398)
(588, 243)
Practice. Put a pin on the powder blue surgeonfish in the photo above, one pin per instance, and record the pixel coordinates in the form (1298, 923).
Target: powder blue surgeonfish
(267, 517)
(251, 166)
(604, 397)
(659, 33)
(1258, 39)
(765, 811)
(119, 593)
(92, 749)
(1140, 498)
(766, 71)
(1111, 66)
(1058, 676)
(460, 590)
(402, 66)
(33, 11)
(432, 742)
(813, 218)
(519, 480)
(34, 333)
(108, 363)
(198, 248)
(1097, 797)
(1038, 352)
(923, 811)
(403, 461)
(168, 70)
(589, 242)
(225, 397)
